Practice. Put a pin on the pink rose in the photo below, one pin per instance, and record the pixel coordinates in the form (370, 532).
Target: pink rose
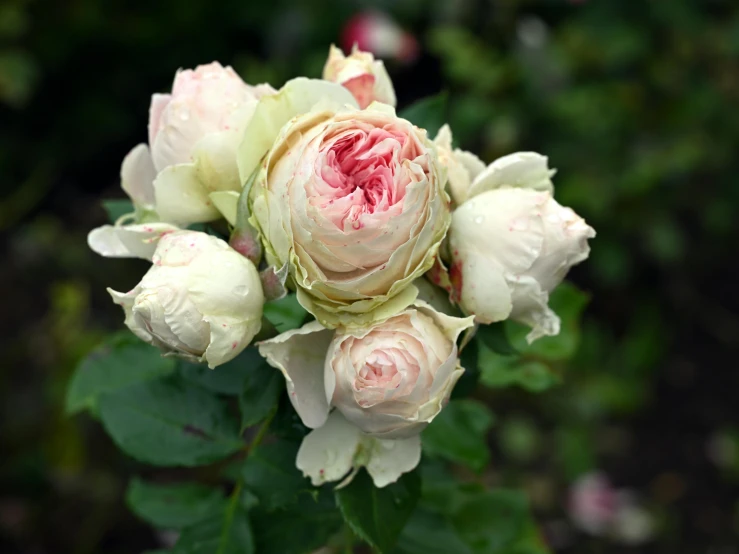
(354, 202)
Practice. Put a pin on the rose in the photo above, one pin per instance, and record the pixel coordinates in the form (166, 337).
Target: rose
(510, 243)
(193, 135)
(353, 201)
(510, 248)
(389, 380)
(200, 300)
(365, 77)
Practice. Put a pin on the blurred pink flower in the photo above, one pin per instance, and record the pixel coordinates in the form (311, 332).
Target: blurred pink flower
(376, 32)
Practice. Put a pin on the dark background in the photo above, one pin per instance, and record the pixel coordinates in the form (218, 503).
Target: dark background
(635, 103)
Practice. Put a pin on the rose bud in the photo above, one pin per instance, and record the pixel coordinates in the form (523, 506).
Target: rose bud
(200, 300)
(510, 243)
(362, 75)
(352, 200)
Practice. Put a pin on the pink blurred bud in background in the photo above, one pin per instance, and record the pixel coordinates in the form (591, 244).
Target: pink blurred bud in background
(376, 32)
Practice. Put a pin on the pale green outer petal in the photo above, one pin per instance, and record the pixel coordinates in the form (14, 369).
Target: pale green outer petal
(389, 459)
(327, 453)
(300, 355)
(530, 307)
(215, 161)
(296, 97)
(128, 241)
(451, 326)
(226, 202)
(137, 176)
(229, 337)
(522, 169)
(358, 314)
(181, 197)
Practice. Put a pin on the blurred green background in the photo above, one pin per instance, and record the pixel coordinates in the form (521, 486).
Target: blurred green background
(635, 103)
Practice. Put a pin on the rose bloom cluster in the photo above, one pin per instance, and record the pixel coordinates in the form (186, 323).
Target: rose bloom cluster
(327, 193)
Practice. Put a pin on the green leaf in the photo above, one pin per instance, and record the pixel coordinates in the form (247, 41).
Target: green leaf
(495, 338)
(170, 422)
(270, 473)
(227, 533)
(299, 528)
(228, 378)
(428, 533)
(377, 516)
(117, 208)
(173, 506)
(532, 375)
(492, 521)
(428, 113)
(469, 358)
(458, 434)
(285, 313)
(121, 361)
(260, 393)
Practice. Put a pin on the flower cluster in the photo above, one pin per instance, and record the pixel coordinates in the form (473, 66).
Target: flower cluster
(327, 193)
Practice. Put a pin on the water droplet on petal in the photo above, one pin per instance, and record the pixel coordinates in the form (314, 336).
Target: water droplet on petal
(184, 114)
(479, 219)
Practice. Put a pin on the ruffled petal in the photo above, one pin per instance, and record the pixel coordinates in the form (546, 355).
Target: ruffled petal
(181, 197)
(128, 241)
(522, 169)
(389, 459)
(327, 453)
(300, 354)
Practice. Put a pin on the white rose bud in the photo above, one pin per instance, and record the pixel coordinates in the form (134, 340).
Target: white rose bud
(362, 75)
(510, 247)
(387, 382)
(200, 300)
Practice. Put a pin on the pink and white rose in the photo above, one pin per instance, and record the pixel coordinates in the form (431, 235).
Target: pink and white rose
(353, 201)
(362, 75)
(388, 380)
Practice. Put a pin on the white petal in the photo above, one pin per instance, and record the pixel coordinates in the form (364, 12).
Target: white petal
(300, 354)
(226, 202)
(522, 169)
(158, 103)
(484, 290)
(128, 241)
(181, 197)
(530, 308)
(228, 338)
(137, 176)
(296, 97)
(327, 453)
(389, 459)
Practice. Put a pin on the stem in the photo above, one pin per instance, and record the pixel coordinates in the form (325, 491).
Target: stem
(261, 432)
(236, 493)
(348, 540)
